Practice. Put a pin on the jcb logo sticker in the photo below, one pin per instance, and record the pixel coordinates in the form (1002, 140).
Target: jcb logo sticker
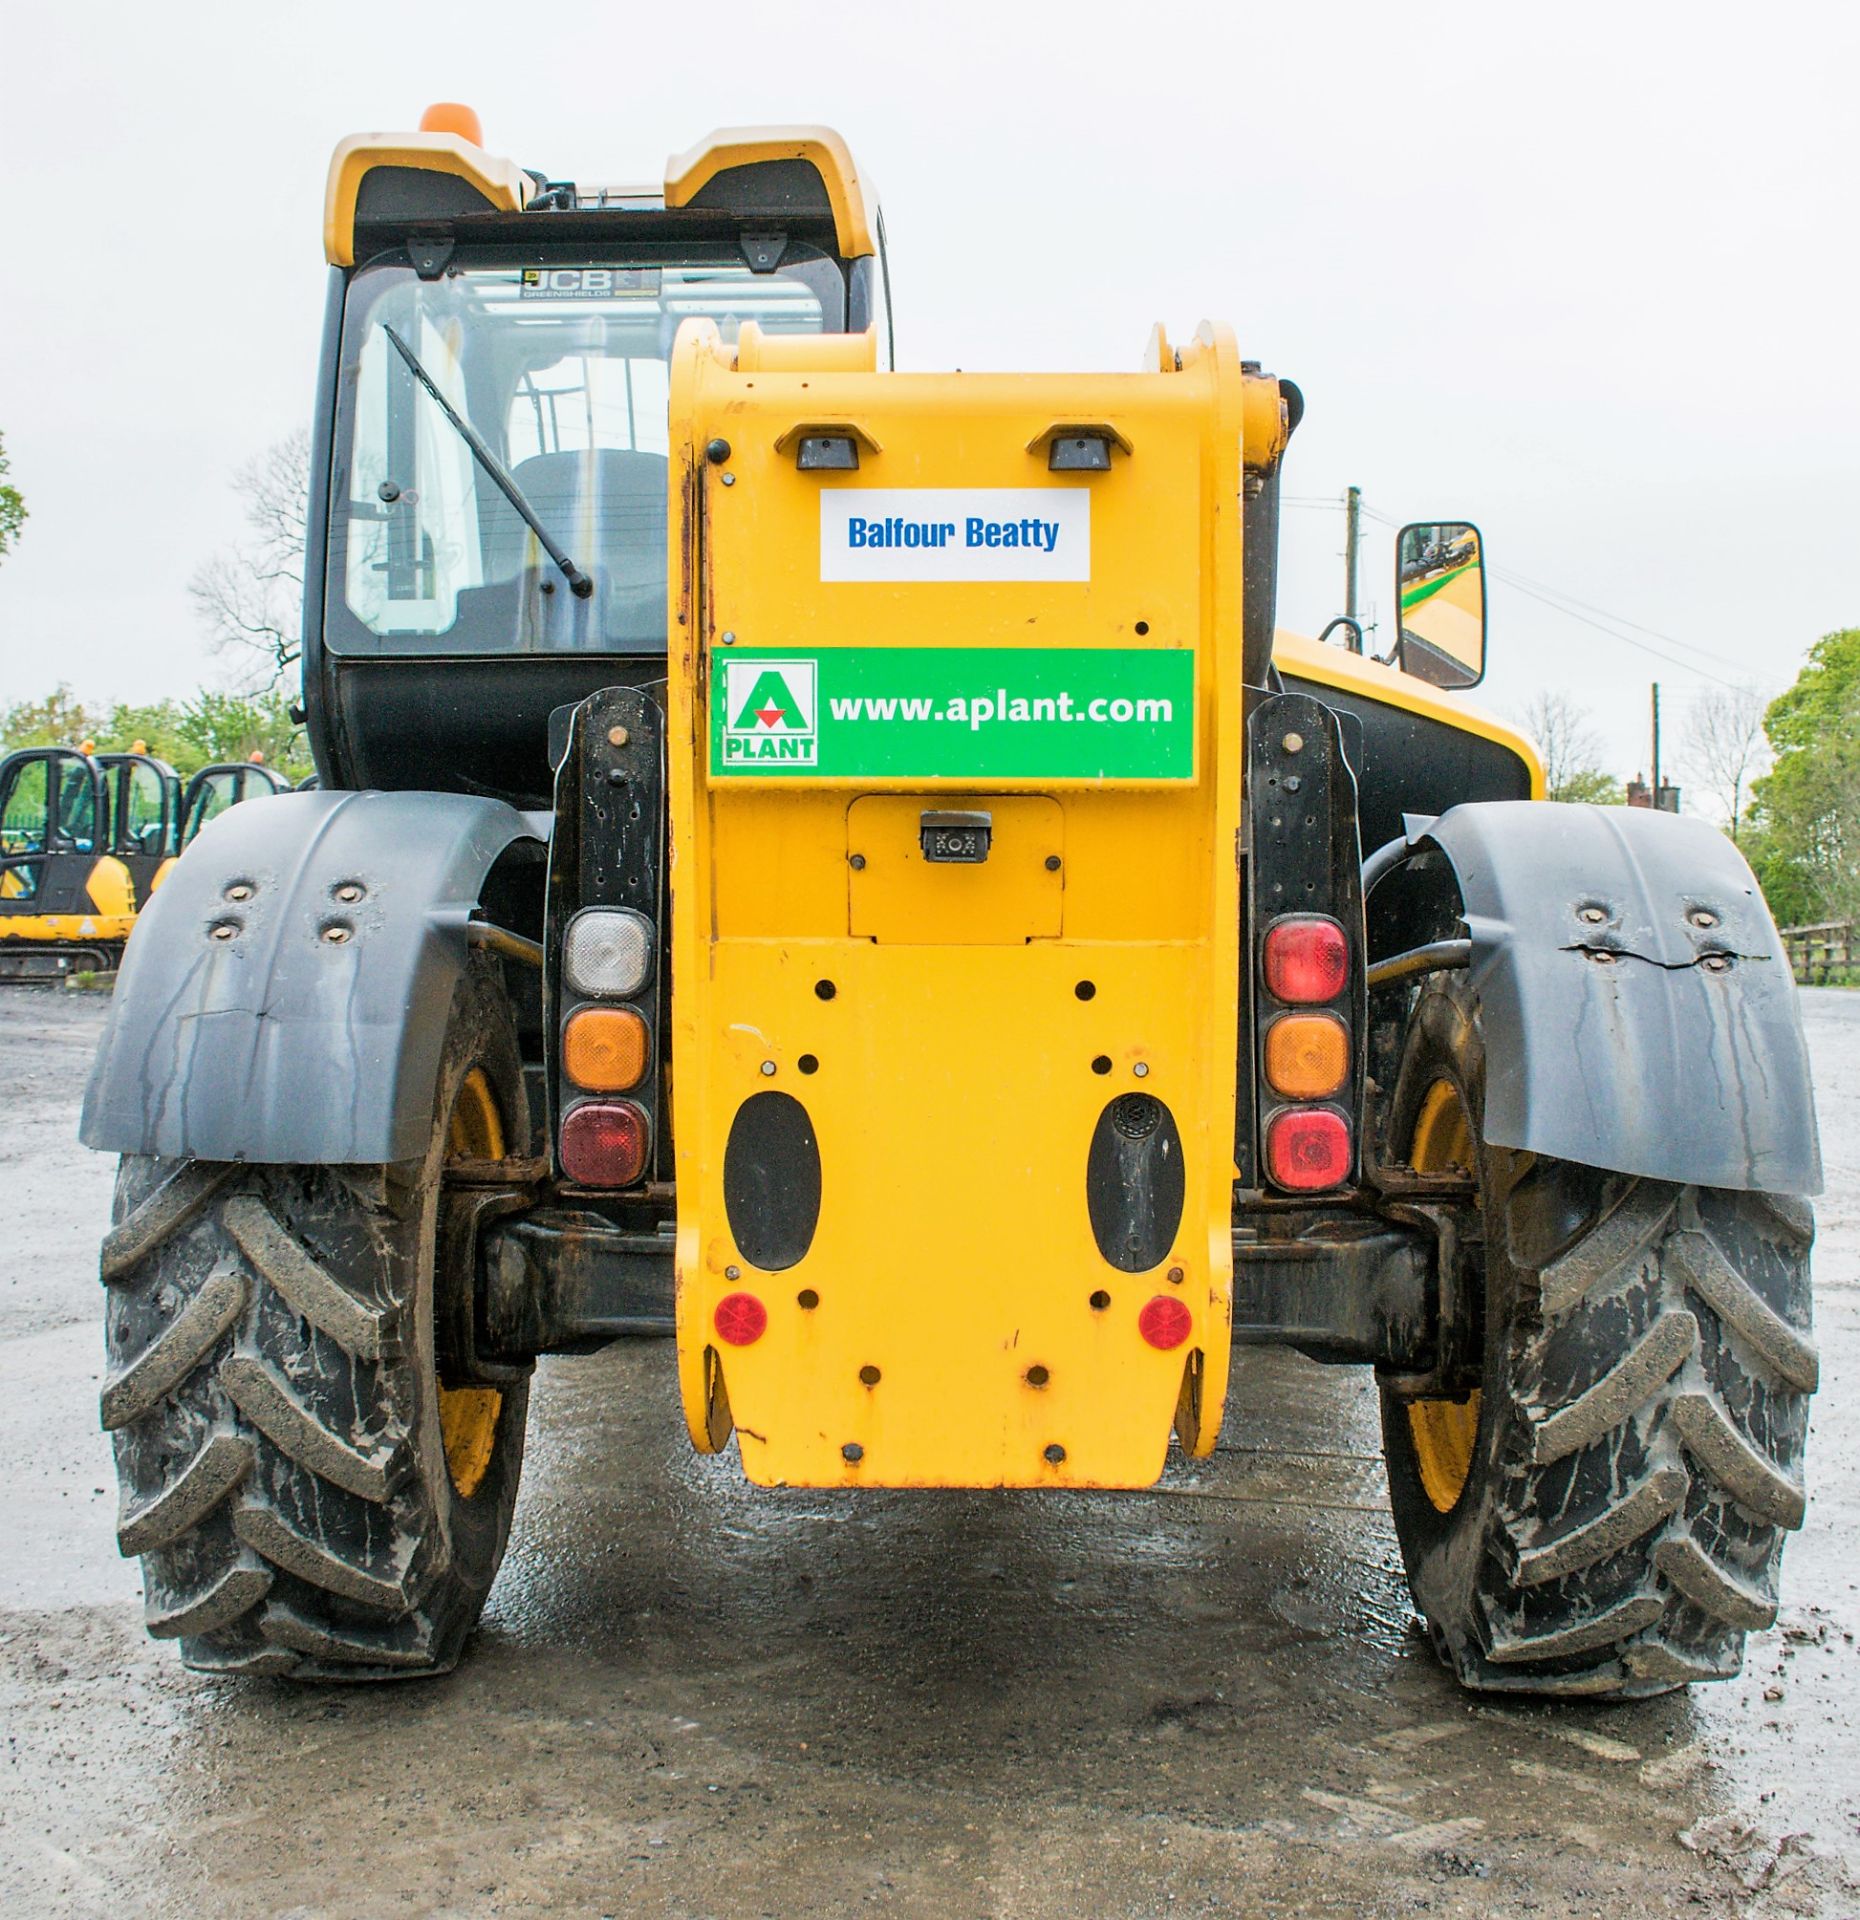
(586, 283)
(771, 713)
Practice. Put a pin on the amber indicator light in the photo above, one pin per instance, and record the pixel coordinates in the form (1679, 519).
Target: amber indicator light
(605, 1048)
(1307, 1055)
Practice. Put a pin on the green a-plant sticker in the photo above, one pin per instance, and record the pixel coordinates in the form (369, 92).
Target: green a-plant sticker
(770, 713)
(965, 713)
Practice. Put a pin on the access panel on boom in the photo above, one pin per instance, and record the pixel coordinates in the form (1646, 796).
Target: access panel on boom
(955, 779)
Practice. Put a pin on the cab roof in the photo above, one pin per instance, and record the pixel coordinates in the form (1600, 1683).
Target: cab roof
(388, 183)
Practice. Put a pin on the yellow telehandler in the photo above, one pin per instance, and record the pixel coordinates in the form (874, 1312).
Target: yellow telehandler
(833, 865)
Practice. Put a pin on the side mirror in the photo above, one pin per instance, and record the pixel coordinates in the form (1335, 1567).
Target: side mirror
(1440, 589)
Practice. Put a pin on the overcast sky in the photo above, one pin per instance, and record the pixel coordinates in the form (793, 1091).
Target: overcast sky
(1583, 274)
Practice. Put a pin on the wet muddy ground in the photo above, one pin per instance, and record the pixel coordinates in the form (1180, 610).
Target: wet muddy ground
(690, 1698)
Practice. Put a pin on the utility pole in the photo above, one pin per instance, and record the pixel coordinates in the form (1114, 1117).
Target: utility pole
(1664, 797)
(1352, 528)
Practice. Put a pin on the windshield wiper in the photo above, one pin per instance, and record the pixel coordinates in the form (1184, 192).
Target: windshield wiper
(578, 582)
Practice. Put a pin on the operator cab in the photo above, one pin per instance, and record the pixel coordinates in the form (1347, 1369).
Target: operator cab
(495, 400)
(51, 803)
(224, 784)
(141, 814)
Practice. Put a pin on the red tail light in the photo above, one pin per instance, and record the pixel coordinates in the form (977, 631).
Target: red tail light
(1307, 959)
(741, 1319)
(1164, 1321)
(604, 1143)
(1308, 1148)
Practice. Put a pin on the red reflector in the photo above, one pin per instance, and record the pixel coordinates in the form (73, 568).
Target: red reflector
(604, 1143)
(1165, 1322)
(1307, 959)
(741, 1319)
(1308, 1148)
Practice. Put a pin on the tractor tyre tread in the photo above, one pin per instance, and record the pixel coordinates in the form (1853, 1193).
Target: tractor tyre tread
(1649, 1360)
(275, 1417)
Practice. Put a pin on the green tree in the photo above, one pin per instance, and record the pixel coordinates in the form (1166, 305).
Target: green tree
(1592, 785)
(12, 507)
(233, 726)
(188, 734)
(1805, 814)
(59, 720)
(156, 728)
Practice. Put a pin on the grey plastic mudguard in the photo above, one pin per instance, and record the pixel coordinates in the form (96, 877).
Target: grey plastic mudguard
(1651, 1061)
(275, 1042)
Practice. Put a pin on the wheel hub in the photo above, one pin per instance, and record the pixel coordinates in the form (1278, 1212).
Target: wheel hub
(1443, 1431)
(468, 1416)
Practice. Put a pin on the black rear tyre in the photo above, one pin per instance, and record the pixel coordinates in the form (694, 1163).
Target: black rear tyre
(1606, 1516)
(307, 1496)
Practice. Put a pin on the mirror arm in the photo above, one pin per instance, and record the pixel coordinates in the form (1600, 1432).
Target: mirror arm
(1354, 627)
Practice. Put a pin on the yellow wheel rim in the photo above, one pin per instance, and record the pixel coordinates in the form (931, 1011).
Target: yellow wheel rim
(1443, 1431)
(468, 1415)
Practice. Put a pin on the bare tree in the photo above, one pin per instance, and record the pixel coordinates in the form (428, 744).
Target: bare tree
(1724, 748)
(1571, 752)
(251, 595)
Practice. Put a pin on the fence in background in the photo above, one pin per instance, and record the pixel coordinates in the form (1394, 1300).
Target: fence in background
(1821, 950)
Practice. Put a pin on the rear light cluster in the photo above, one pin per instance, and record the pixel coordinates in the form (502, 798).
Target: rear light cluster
(607, 957)
(1306, 1052)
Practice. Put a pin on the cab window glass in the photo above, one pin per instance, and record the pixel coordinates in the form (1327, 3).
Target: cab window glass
(211, 797)
(77, 807)
(141, 809)
(22, 830)
(23, 810)
(557, 379)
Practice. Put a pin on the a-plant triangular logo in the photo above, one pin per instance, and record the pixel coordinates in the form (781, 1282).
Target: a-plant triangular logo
(770, 712)
(770, 704)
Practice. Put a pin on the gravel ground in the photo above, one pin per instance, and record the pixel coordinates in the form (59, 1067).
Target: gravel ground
(692, 1698)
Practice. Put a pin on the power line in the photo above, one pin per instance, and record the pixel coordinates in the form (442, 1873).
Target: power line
(1614, 633)
(1567, 604)
(1621, 619)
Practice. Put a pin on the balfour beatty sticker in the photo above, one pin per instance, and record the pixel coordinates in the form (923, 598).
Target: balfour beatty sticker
(966, 713)
(955, 533)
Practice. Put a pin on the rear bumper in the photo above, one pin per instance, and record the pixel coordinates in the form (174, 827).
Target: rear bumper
(1338, 1285)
